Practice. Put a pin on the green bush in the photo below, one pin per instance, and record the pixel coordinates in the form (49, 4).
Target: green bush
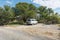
(21, 22)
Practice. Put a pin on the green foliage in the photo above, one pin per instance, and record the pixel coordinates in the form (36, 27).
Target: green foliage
(22, 11)
(26, 10)
(48, 16)
(6, 15)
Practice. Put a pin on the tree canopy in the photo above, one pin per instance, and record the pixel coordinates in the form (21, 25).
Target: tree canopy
(22, 11)
(26, 10)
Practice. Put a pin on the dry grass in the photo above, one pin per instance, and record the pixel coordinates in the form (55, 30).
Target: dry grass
(58, 25)
(38, 30)
(41, 32)
(49, 33)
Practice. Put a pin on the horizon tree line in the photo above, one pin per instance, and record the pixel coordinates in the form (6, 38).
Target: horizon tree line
(22, 11)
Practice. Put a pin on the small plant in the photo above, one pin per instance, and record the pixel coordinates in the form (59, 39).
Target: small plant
(58, 36)
(21, 22)
(59, 25)
(48, 33)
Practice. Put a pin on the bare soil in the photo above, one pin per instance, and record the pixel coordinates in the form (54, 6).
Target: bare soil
(50, 31)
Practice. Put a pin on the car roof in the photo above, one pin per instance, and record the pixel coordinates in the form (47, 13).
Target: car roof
(31, 19)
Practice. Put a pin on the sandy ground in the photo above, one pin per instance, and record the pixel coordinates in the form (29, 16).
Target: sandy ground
(11, 34)
(50, 31)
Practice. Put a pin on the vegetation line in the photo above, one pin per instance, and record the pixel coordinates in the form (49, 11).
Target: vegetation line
(22, 11)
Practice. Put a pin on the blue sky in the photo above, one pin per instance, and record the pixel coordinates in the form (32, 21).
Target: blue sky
(13, 2)
(54, 4)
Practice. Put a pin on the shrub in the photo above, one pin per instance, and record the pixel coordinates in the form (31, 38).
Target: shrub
(21, 22)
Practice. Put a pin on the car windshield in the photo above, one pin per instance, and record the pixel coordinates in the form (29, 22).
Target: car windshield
(33, 20)
(29, 20)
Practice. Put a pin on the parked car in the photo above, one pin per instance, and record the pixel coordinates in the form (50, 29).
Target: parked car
(32, 21)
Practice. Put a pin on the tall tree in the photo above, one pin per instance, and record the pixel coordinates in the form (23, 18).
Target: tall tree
(26, 10)
(7, 14)
(45, 13)
(42, 12)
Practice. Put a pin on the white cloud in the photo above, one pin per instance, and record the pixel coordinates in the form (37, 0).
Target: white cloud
(49, 3)
(8, 2)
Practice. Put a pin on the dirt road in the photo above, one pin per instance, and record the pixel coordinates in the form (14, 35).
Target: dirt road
(10, 34)
(29, 32)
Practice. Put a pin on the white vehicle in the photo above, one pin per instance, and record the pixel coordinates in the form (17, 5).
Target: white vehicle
(32, 21)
